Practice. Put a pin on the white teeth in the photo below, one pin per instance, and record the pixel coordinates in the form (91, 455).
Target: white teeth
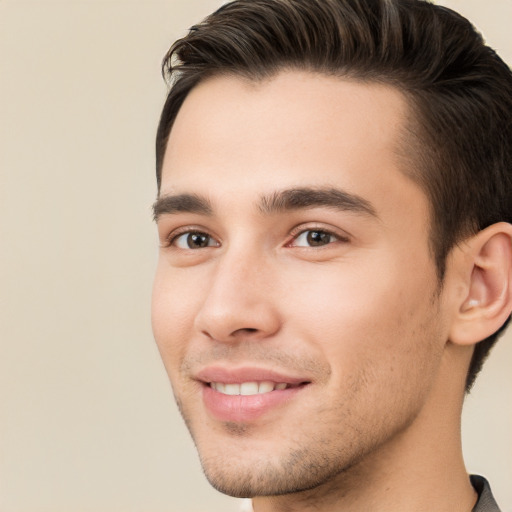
(247, 388)
(231, 389)
(266, 387)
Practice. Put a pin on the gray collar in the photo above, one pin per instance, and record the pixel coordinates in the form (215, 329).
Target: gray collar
(486, 501)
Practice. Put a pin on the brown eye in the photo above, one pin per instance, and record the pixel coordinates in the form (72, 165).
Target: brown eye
(314, 238)
(194, 240)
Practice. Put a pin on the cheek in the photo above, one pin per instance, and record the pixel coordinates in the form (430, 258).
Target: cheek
(369, 320)
(378, 341)
(172, 316)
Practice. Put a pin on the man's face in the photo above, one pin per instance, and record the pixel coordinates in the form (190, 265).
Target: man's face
(296, 305)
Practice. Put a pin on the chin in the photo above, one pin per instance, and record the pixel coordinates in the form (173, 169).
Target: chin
(249, 477)
(247, 483)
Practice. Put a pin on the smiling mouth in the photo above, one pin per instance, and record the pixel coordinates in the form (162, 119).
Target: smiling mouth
(251, 388)
(233, 397)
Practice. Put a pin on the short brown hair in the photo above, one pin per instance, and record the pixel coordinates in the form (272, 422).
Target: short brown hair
(459, 144)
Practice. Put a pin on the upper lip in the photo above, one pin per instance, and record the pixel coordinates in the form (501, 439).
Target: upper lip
(246, 374)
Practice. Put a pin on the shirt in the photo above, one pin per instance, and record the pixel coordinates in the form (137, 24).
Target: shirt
(486, 502)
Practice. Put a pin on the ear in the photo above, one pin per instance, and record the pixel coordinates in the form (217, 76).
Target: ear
(486, 302)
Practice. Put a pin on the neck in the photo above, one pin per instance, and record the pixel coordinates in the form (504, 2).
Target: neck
(419, 469)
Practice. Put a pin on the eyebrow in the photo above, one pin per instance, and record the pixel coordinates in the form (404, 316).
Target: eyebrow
(278, 202)
(304, 198)
(181, 203)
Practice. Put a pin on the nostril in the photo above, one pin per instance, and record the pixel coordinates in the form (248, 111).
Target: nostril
(244, 331)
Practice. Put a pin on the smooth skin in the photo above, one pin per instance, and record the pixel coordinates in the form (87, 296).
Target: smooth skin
(345, 297)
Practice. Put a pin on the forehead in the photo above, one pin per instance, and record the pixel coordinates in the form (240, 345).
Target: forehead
(294, 129)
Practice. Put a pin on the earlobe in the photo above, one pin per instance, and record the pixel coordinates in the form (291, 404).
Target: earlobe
(488, 301)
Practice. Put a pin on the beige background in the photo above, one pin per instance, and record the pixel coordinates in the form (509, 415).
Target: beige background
(87, 418)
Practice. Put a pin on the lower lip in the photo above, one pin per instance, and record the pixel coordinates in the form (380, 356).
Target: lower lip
(245, 408)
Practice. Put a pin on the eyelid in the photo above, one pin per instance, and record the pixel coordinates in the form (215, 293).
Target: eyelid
(342, 236)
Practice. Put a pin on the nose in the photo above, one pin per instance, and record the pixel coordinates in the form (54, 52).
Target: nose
(240, 303)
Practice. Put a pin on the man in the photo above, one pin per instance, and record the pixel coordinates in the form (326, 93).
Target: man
(334, 213)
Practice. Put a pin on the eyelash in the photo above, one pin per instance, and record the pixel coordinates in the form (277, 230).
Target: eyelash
(296, 233)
